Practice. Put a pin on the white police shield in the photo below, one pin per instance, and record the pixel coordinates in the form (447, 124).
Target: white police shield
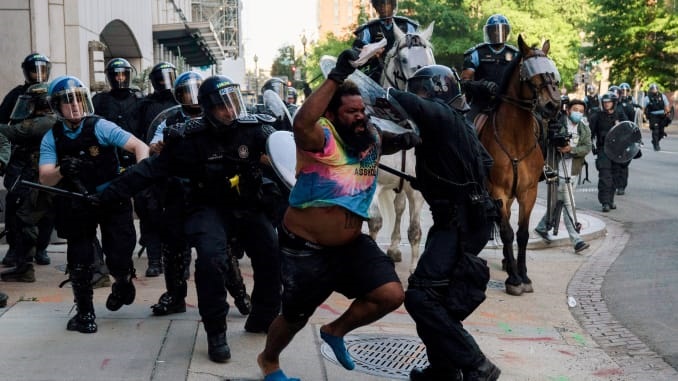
(282, 151)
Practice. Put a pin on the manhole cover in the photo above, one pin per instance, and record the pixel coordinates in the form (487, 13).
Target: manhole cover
(383, 355)
(495, 284)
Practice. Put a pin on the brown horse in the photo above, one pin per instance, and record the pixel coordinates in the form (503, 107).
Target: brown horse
(511, 135)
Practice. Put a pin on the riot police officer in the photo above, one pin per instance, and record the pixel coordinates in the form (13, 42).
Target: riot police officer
(219, 158)
(36, 68)
(279, 87)
(146, 204)
(29, 221)
(79, 155)
(657, 109)
(600, 124)
(378, 29)
(291, 101)
(449, 281)
(485, 63)
(592, 101)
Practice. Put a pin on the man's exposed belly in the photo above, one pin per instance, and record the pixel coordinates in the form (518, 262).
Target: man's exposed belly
(326, 226)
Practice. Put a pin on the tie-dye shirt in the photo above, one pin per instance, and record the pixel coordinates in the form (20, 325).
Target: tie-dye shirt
(336, 177)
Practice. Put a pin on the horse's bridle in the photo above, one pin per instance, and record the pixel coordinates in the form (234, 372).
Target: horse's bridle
(528, 70)
(411, 40)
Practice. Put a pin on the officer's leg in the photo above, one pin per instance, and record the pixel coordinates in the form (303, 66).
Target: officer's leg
(45, 229)
(147, 207)
(605, 183)
(261, 244)
(24, 235)
(118, 238)
(234, 281)
(79, 255)
(656, 132)
(206, 231)
(11, 207)
(620, 175)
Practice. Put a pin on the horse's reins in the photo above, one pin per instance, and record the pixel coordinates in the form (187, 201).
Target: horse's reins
(411, 40)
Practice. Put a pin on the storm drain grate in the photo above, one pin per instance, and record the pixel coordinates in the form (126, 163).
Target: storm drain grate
(495, 284)
(383, 355)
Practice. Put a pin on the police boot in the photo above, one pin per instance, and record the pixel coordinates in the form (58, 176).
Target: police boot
(122, 292)
(154, 267)
(431, 374)
(10, 257)
(172, 301)
(217, 347)
(235, 285)
(100, 277)
(83, 321)
(186, 255)
(21, 273)
(42, 258)
(486, 371)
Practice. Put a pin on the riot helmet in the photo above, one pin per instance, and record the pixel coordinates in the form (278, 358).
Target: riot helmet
(119, 73)
(615, 90)
(186, 88)
(385, 8)
(291, 95)
(590, 90)
(69, 99)
(625, 89)
(36, 68)
(439, 82)
(221, 101)
(564, 101)
(162, 76)
(496, 30)
(278, 86)
(653, 89)
(32, 102)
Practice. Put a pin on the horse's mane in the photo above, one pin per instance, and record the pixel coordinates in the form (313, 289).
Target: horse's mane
(506, 79)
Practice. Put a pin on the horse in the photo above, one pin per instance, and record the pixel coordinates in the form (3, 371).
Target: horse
(410, 52)
(511, 134)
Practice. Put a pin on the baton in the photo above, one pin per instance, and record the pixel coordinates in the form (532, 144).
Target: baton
(55, 191)
(398, 173)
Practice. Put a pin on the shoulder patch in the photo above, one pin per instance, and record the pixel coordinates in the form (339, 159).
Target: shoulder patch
(268, 129)
(406, 20)
(265, 118)
(194, 125)
(249, 119)
(509, 46)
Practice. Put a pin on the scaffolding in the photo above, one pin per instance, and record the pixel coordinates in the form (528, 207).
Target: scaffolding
(225, 18)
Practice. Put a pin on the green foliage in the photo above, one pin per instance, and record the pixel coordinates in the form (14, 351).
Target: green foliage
(332, 45)
(639, 38)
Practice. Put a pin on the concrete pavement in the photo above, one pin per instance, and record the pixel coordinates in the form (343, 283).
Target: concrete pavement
(536, 336)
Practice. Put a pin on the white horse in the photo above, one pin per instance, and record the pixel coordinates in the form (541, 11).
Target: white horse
(409, 53)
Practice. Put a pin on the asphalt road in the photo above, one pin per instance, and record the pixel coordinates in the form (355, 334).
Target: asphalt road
(640, 288)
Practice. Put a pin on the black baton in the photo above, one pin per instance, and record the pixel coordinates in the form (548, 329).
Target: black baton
(54, 190)
(398, 173)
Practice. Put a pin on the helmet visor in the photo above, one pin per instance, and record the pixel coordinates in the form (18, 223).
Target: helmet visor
(187, 93)
(163, 79)
(72, 104)
(119, 78)
(41, 72)
(227, 104)
(496, 33)
(23, 108)
(385, 8)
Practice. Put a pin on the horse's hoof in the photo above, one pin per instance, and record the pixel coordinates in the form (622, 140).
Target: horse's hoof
(514, 290)
(527, 287)
(396, 255)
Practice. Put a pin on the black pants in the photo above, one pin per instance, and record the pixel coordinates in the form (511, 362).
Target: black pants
(148, 208)
(606, 184)
(620, 175)
(29, 221)
(657, 127)
(448, 345)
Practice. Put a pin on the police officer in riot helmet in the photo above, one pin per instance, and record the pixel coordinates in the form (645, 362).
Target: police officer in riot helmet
(278, 86)
(28, 218)
(162, 77)
(625, 101)
(292, 100)
(485, 63)
(592, 100)
(380, 28)
(658, 112)
(219, 156)
(451, 170)
(601, 123)
(36, 68)
(79, 155)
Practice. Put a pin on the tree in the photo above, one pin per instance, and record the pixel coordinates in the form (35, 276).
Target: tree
(638, 38)
(284, 62)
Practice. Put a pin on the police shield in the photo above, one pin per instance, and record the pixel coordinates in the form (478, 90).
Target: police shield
(275, 104)
(383, 110)
(282, 152)
(622, 142)
(159, 119)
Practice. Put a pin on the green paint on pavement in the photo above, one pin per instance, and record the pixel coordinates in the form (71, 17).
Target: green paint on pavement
(559, 378)
(505, 327)
(579, 339)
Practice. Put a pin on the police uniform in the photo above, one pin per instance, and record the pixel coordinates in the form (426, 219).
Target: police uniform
(600, 124)
(655, 111)
(451, 167)
(487, 64)
(208, 158)
(592, 104)
(375, 31)
(9, 101)
(121, 106)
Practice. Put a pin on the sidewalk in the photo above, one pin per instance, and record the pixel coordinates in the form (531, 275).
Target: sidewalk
(531, 337)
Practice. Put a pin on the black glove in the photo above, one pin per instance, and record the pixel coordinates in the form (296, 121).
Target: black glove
(71, 166)
(489, 87)
(407, 140)
(481, 88)
(343, 68)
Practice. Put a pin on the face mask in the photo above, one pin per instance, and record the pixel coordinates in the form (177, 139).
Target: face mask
(575, 116)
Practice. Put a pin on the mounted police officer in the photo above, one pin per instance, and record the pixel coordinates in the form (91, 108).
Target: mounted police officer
(485, 63)
(219, 156)
(657, 110)
(36, 68)
(78, 154)
(450, 280)
(601, 123)
(378, 29)
(29, 219)
(146, 204)
(591, 100)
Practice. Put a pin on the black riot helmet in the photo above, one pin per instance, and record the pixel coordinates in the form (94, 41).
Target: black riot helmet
(291, 95)
(278, 86)
(119, 73)
(31, 103)
(36, 68)
(609, 98)
(385, 8)
(564, 102)
(162, 76)
(496, 30)
(221, 101)
(439, 82)
(186, 88)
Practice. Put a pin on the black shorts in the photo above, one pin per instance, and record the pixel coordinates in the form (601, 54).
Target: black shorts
(310, 273)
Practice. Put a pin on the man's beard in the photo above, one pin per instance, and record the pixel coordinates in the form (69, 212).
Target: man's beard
(355, 141)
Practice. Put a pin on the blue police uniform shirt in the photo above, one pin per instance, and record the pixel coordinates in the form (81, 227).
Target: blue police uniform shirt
(107, 133)
(475, 59)
(646, 101)
(367, 37)
(158, 135)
